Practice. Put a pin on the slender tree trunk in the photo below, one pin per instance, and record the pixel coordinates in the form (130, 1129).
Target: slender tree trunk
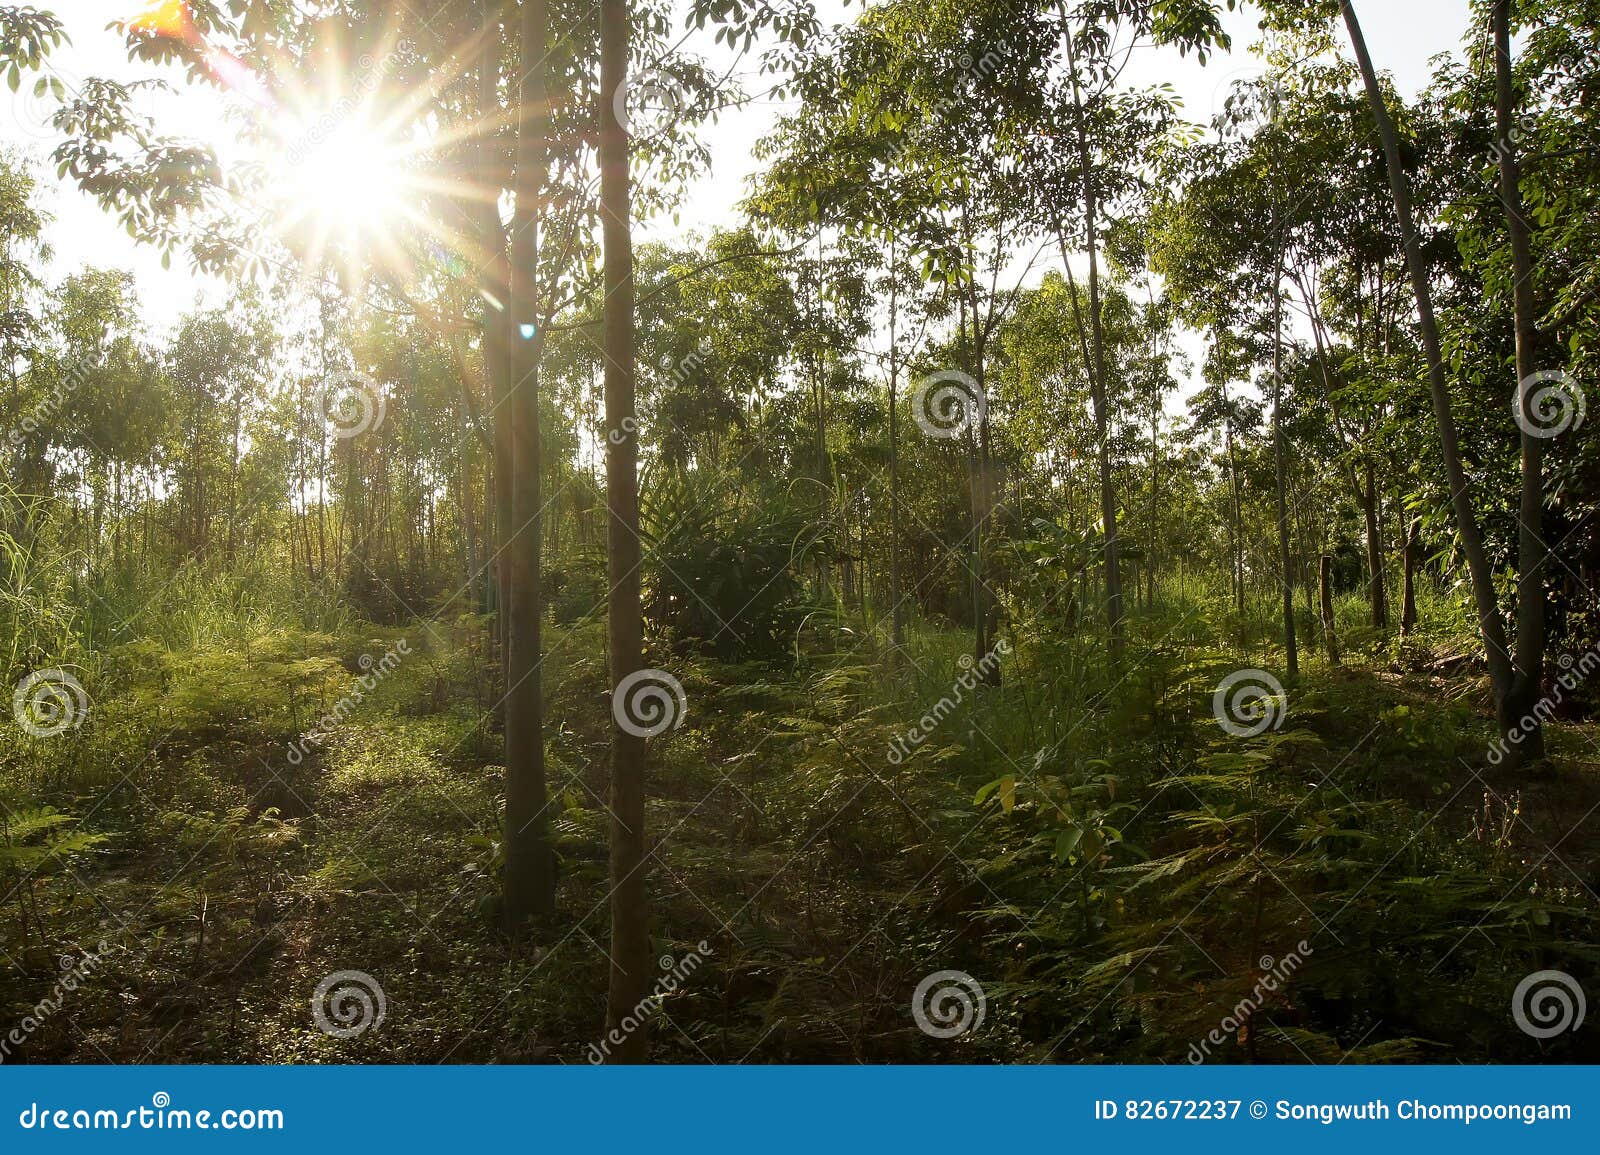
(1236, 526)
(1408, 583)
(1291, 649)
(1472, 547)
(1377, 591)
(1097, 380)
(1155, 470)
(1325, 584)
(497, 332)
(469, 520)
(897, 627)
(630, 941)
(529, 863)
(1532, 553)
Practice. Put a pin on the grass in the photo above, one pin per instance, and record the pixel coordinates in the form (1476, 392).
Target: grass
(1088, 844)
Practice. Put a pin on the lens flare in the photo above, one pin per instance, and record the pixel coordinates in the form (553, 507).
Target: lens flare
(170, 18)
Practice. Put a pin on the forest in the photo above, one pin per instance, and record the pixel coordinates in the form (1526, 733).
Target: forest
(1060, 574)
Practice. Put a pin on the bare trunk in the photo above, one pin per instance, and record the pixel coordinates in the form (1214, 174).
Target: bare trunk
(1291, 649)
(529, 863)
(1097, 379)
(1489, 621)
(1377, 582)
(630, 942)
(897, 627)
(1330, 636)
(1532, 553)
(1408, 584)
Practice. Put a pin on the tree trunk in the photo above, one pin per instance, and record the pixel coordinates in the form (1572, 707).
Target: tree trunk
(1291, 650)
(630, 942)
(1489, 621)
(1408, 582)
(1329, 634)
(1097, 379)
(897, 626)
(1378, 592)
(1532, 553)
(529, 864)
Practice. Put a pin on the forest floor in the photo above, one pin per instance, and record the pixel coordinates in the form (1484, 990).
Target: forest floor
(1048, 840)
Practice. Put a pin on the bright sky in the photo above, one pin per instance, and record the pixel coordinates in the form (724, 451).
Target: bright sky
(1403, 35)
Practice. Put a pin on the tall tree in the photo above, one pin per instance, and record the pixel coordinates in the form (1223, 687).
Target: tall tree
(630, 940)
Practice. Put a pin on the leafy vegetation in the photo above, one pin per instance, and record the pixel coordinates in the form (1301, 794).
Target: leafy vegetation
(1145, 567)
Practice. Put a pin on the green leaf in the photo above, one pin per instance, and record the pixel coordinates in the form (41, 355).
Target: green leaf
(1067, 841)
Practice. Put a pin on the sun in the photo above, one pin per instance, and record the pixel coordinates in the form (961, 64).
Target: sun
(341, 186)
